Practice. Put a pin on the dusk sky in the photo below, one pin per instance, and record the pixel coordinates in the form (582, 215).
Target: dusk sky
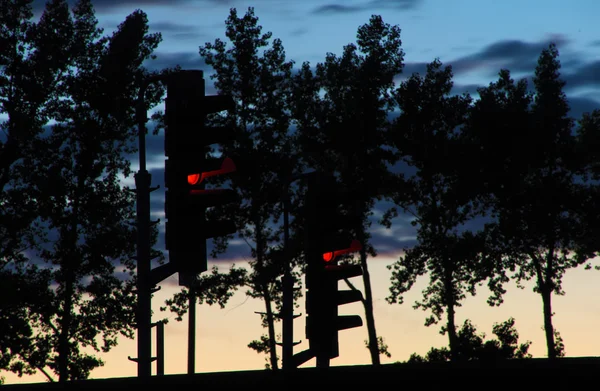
(477, 37)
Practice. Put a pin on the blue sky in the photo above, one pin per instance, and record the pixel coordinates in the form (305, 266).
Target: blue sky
(478, 37)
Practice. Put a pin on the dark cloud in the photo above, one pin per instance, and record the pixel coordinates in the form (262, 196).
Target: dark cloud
(155, 144)
(336, 9)
(580, 105)
(396, 4)
(401, 235)
(414, 67)
(587, 75)
(106, 6)
(460, 89)
(187, 60)
(340, 8)
(521, 59)
(176, 31)
(298, 32)
(518, 56)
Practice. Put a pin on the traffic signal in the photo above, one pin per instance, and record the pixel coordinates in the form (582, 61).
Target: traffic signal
(328, 238)
(187, 170)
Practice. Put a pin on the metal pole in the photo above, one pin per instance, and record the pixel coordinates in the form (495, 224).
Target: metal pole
(288, 290)
(160, 348)
(192, 333)
(144, 310)
(322, 360)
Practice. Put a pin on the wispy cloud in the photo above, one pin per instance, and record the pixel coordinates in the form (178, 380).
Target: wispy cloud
(345, 8)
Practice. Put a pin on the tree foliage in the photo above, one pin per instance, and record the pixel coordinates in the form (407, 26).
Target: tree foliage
(341, 112)
(213, 288)
(86, 84)
(473, 346)
(537, 193)
(255, 72)
(428, 138)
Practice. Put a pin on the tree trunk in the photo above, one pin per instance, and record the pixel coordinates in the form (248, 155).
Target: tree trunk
(450, 307)
(271, 326)
(452, 337)
(368, 304)
(260, 251)
(65, 326)
(548, 327)
(68, 267)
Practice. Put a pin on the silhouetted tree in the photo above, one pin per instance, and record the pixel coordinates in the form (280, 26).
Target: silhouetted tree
(538, 197)
(472, 346)
(213, 288)
(254, 71)
(30, 67)
(344, 130)
(74, 170)
(436, 192)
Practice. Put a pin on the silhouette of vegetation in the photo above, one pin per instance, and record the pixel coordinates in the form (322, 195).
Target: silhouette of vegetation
(72, 170)
(473, 346)
(540, 200)
(25, 286)
(427, 136)
(255, 73)
(356, 95)
(527, 211)
(434, 141)
(213, 288)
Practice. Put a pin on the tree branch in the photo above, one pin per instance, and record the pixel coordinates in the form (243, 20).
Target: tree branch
(538, 268)
(351, 286)
(248, 243)
(46, 374)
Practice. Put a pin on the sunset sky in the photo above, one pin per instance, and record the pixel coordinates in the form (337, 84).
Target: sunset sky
(478, 37)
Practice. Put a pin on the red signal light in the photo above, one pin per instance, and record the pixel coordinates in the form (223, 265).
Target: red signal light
(354, 247)
(193, 179)
(226, 167)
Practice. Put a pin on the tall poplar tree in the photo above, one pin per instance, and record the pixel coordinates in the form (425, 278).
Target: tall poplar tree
(30, 65)
(255, 72)
(344, 130)
(435, 192)
(74, 172)
(539, 193)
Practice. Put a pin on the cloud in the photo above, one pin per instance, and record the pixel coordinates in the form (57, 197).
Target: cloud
(299, 32)
(342, 8)
(176, 31)
(396, 4)
(580, 105)
(106, 6)
(460, 89)
(414, 67)
(516, 55)
(187, 60)
(587, 75)
(336, 9)
(520, 58)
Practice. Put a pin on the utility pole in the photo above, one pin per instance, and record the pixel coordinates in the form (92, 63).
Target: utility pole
(290, 361)
(185, 96)
(192, 331)
(160, 348)
(144, 285)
